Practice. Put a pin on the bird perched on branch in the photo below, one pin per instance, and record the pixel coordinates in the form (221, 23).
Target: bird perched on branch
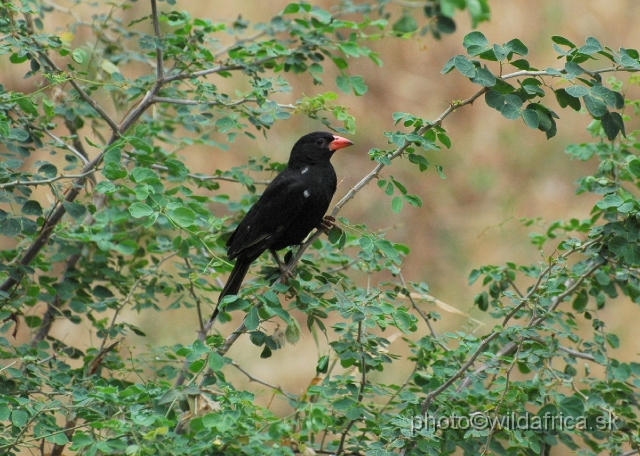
(292, 205)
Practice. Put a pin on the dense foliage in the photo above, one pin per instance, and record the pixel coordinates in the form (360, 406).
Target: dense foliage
(128, 225)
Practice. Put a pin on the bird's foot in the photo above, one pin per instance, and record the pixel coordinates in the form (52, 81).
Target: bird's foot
(286, 270)
(327, 223)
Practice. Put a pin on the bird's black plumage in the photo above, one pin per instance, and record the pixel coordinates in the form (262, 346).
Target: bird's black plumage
(292, 205)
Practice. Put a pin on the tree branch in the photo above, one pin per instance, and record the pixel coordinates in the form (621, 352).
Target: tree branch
(156, 29)
(217, 69)
(262, 382)
(46, 181)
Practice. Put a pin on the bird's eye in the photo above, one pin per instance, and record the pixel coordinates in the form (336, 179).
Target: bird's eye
(320, 141)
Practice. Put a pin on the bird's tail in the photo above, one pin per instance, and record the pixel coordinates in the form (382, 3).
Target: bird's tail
(233, 283)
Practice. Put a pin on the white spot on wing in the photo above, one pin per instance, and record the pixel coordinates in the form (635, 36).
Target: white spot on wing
(306, 193)
(304, 170)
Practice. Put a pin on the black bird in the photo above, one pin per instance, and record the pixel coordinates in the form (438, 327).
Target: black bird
(292, 205)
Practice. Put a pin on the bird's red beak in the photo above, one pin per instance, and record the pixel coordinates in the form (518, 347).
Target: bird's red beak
(339, 142)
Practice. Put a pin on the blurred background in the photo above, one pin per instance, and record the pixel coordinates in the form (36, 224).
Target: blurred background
(497, 170)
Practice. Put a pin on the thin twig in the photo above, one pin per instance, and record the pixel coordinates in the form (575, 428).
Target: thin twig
(46, 181)
(156, 30)
(424, 316)
(217, 69)
(262, 382)
(84, 95)
(83, 158)
(237, 43)
(363, 383)
(231, 104)
(196, 298)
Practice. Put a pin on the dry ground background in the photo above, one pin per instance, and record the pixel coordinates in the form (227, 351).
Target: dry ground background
(497, 170)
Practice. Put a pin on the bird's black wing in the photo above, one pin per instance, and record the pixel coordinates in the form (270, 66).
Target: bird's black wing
(279, 205)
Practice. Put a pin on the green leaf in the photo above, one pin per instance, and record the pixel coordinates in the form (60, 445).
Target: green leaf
(75, 210)
(494, 99)
(127, 247)
(573, 70)
(343, 84)
(182, 216)
(19, 418)
(106, 187)
(500, 52)
(224, 124)
(5, 130)
(252, 320)
(591, 47)
(609, 201)
(482, 301)
(359, 87)
(580, 302)
(612, 124)
(406, 24)
(387, 248)
(32, 207)
(322, 15)
(577, 91)
(27, 106)
(32, 321)
(291, 8)
(114, 171)
(79, 55)
(596, 107)
(292, 333)
(366, 243)
(48, 107)
(449, 66)
(140, 175)
(634, 167)
(414, 200)
(48, 170)
(138, 210)
(565, 99)
(396, 204)
(521, 64)
(473, 276)
(10, 227)
(464, 66)
(216, 361)
(389, 189)
(80, 439)
(445, 24)
(571, 406)
(484, 77)
(475, 39)
(531, 118)
(511, 108)
(613, 340)
(606, 95)
(517, 47)
(562, 41)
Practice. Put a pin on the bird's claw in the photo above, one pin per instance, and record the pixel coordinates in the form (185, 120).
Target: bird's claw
(327, 223)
